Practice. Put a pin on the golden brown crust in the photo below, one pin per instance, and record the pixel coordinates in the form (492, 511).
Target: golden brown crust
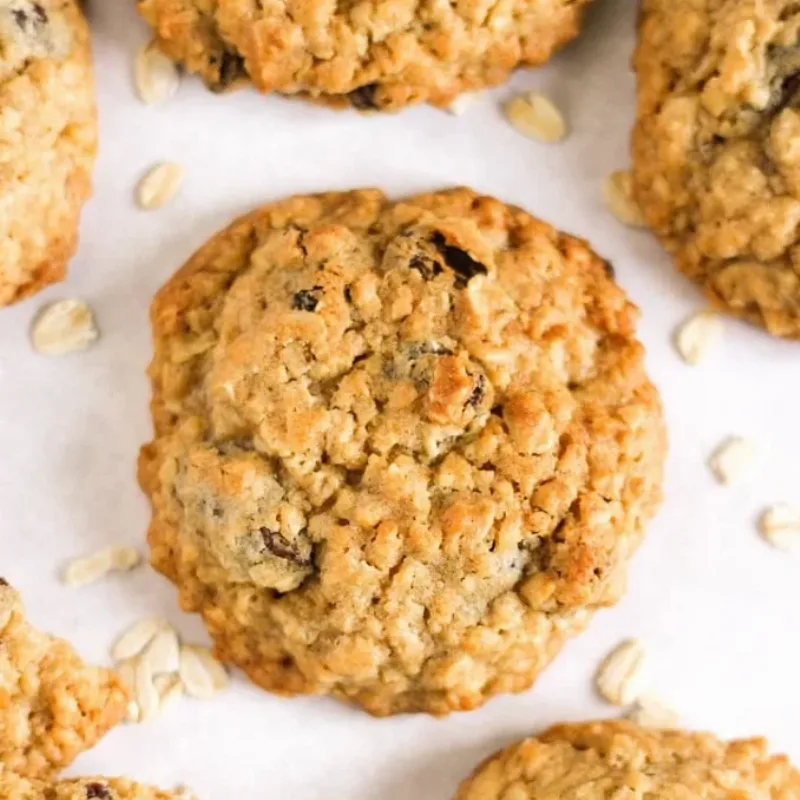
(17, 787)
(716, 166)
(402, 450)
(379, 54)
(600, 760)
(48, 139)
(52, 706)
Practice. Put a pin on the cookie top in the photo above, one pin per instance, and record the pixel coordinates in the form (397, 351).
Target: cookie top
(377, 55)
(402, 448)
(716, 164)
(52, 706)
(47, 140)
(16, 787)
(601, 760)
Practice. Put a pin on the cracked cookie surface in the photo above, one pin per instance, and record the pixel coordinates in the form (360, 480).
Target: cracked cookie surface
(16, 787)
(715, 154)
(599, 760)
(48, 137)
(375, 54)
(52, 706)
(403, 449)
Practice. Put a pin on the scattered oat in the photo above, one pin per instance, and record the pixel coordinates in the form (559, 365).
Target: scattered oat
(698, 336)
(651, 712)
(620, 679)
(202, 675)
(169, 688)
(159, 185)
(65, 326)
(163, 652)
(156, 76)
(537, 117)
(732, 460)
(780, 526)
(81, 571)
(147, 697)
(618, 194)
(461, 103)
(132, 712)
(134, 639)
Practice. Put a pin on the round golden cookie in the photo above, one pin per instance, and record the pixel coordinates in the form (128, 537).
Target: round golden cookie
(716, 161)
(621, 761)
(48, 136)
(403, 449)
(377, 54)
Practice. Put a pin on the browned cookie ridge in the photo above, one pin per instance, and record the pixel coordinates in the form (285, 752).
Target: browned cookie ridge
(716, 160)
(377, 54)
(48, 137)
(619, 760)
(403, 449)
(52, 706)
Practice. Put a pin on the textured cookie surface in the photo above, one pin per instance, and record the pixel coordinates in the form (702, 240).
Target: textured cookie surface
(52, 706)
(716, 156)
(16, 787)
(375, 53)
(47, 140)
(402, 449)
(605, 760)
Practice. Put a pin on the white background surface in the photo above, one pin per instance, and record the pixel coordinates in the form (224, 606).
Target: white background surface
(718, 609)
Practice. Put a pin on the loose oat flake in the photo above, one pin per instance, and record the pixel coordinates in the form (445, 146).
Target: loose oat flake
(169, 688)
(621, 677)
(460, 105)
(135, 638)
(201, 674)
(65, 326)
(732, 460)
(82, 571)
(618, 194)
(156, 76)
(159, 185)
(651, 712)
(698, 336)
(146, 694)
(536, 117)
(780, 526)
(163, 652)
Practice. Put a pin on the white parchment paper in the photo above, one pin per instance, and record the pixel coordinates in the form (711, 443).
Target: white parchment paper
(718, 609)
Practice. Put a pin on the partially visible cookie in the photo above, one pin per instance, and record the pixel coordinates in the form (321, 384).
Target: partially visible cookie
(715, 149)
(48, 138)
(373, 55)
(403, 449)
(619, 760)
(16, 787)
(52, 706)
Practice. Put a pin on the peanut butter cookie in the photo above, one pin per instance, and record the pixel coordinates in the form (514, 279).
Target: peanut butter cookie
(377, 54)
(48, 134)
(403, 449)
(603, 760)
(715, 153)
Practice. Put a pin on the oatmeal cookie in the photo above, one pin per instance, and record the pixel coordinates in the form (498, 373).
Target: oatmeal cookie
(48, 137)
(403, 449)
(16, 787)
(52, 706)
(376, 54)
(599, 760)
(716, 160)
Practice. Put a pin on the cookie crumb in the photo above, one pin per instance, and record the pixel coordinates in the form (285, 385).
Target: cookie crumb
(697, 336)
(650, 711)
(159, 185)
(620, 679)
(618, 194)
(82, 571)
(156, 77)
(780, 526)
(537, 117)
(733, 460)
(66, 326)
